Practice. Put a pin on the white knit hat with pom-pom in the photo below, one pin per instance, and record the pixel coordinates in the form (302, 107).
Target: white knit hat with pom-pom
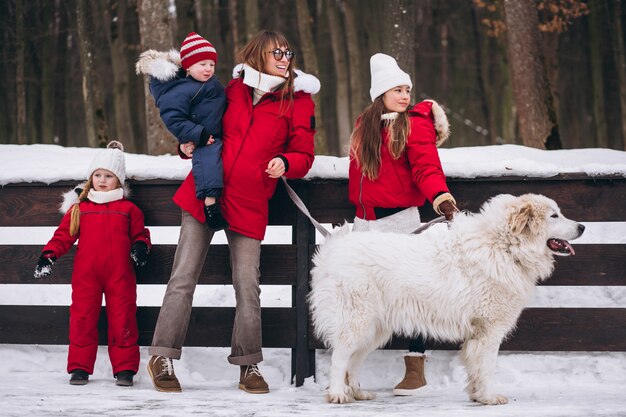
(111, 159)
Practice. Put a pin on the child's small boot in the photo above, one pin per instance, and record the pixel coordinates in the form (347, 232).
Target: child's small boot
(214, 219)
(79, 377)
(124, 378)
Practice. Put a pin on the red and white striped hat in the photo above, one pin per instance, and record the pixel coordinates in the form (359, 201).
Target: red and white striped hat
(195, 49)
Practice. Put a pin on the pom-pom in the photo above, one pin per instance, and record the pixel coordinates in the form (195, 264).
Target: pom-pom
(114, 144)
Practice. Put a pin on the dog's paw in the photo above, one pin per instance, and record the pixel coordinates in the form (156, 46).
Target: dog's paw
(491, 399)
(361, 395)
(339, 398)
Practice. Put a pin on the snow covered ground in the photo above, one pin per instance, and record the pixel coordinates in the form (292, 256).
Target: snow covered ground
(538, 384)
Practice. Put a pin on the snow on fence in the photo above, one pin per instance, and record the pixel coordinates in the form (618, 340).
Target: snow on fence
(583, 198)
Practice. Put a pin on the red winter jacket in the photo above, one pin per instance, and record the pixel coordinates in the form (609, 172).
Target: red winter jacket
(105, 235)
(404, 182)
(252, 136)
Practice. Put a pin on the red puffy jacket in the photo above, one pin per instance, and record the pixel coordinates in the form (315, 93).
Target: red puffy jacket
(404, 182)
(252, 136)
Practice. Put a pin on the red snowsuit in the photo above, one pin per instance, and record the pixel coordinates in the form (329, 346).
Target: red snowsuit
(102, 265)
(252, 136)
(404, 182)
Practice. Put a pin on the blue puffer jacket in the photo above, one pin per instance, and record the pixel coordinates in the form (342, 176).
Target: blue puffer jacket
(191, 110)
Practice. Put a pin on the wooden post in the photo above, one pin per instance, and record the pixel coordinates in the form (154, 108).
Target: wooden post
(302, 358)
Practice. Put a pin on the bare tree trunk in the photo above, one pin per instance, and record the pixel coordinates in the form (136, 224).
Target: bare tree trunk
(51, 18)
(155, 32)
(115, 13)
(310, 65)
(537, 121)
(94, 112)
(20, 56)
(399, 36)
(342, 90)
(234, 26)
(620, 63)
(185, 20)
(358, 92)
(252, 18)
(596, 34)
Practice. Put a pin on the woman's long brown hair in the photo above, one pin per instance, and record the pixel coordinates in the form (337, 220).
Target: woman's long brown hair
(256, 53)
(366, 139)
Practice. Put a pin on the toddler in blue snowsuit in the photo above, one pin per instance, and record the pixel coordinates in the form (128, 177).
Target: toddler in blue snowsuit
(191, 102)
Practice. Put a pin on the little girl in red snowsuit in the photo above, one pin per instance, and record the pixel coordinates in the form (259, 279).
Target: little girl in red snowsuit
(111, 236)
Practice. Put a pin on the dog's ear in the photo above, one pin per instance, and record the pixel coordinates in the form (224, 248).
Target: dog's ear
(521, 219)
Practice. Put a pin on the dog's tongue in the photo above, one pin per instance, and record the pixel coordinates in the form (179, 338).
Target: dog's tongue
(561, 246)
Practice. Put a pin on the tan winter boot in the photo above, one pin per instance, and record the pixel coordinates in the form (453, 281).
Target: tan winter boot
(161, 370)
(413, 377)
(251, 380)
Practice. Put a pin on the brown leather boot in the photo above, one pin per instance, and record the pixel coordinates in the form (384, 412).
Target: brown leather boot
(161, 370)
(413, 377)
(251, 380)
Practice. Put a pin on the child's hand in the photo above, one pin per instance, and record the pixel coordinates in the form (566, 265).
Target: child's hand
(276, 168)
(44, 266)
(139, 253)
(187, 148)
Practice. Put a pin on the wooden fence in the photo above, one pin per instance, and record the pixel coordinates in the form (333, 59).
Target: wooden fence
(541, 329)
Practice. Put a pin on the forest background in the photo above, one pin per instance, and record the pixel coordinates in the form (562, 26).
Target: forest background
(543, 73)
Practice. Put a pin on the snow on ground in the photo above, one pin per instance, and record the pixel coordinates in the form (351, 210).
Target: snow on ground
(538, 384)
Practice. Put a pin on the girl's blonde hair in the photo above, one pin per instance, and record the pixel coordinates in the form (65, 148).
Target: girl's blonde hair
(75, 216)
(257, 52)
(366, 139)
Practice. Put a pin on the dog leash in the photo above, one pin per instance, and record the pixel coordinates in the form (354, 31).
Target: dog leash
(300, 204)
(440, 219)
(302, 207)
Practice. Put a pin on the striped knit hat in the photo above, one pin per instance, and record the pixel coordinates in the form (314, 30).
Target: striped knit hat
(195, 49)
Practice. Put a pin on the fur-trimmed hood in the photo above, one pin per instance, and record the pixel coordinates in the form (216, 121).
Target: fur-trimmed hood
(161, 65)
(442, 126)
(71, 197)
(164, 66)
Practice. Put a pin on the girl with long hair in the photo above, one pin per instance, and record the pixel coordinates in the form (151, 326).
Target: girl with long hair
(394, 165)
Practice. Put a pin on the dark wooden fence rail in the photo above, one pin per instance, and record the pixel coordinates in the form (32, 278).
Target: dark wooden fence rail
(546, 329)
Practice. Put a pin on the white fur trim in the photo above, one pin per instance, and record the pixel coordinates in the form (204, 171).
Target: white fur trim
(304, 82)
(70, 198)
(161, 65)
(417, 354)
(442, 126)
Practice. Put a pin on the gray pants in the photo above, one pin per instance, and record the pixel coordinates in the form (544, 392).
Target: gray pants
(173, 321)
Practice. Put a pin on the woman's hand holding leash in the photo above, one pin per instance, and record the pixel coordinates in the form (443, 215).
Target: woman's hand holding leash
(276, 168)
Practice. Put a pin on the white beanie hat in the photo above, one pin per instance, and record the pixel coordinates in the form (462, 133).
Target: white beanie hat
(386, 74)
(111, 159)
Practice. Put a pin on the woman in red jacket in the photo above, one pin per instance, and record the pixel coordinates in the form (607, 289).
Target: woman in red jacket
(111, 235)
(268, 130)
(394, 165)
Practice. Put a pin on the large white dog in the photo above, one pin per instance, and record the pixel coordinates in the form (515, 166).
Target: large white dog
(467, 284)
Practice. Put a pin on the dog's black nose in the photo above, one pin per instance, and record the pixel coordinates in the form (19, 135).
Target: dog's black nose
(581, 229)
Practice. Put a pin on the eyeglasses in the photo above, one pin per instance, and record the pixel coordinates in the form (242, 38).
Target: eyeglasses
(278, 54)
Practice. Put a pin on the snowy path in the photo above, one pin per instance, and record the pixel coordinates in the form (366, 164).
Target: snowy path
(541, 385)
